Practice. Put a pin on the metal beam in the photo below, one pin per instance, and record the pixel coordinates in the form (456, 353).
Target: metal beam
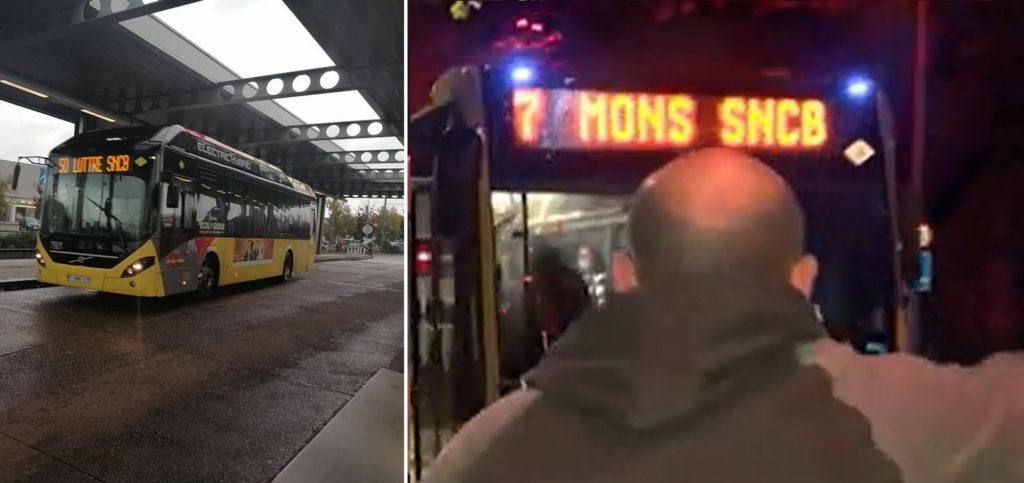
(48, 20)
(311, 132)
(345, 157)
(333, 173)
(54, 97)
(356, 188)
(376, 176)
(291, 84)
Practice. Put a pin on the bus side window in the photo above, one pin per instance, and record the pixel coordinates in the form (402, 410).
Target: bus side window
(311, 213)
(277, 214)
(294, 219)
(209, 210)
(187, 211)
(256, 215)
(235, 219)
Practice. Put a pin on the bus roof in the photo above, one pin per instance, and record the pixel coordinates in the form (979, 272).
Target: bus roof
(167, 134)
(265, 169)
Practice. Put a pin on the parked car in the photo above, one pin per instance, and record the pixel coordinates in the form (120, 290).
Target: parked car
(28, 223)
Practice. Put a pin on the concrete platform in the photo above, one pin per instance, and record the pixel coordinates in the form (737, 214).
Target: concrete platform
(362, 444)
(17, 270)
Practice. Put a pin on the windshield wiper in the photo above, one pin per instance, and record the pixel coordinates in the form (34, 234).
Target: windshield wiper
(120, 224)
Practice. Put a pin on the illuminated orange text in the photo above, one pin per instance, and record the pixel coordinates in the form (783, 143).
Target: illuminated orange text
(787, 123)
(635, 119)
(527, 106)
(94, 164)
(580, 119)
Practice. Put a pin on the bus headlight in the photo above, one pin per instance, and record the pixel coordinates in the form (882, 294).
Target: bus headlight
(137, 267)
(39, 258)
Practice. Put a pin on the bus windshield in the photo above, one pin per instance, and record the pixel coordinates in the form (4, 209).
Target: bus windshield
(108, 209)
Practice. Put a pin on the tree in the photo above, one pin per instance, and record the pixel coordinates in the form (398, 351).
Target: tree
(340, 221)
(388, 225)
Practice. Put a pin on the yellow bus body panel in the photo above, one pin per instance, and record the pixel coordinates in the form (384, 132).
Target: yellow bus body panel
(230, 272)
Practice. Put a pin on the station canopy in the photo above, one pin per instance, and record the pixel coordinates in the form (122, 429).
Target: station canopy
(312, 86)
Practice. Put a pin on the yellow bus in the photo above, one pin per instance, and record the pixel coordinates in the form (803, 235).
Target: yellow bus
(154, 211)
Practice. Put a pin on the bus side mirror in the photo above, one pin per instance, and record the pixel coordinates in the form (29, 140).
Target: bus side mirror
(173, 195)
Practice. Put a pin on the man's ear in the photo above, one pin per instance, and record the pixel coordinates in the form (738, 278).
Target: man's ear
(803, 274)
(623, 273)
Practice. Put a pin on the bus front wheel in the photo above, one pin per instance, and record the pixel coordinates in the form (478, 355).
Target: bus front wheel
(207, 279)
(288, 271)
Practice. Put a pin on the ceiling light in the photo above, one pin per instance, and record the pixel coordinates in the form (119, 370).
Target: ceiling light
(23, 88)
(101, 116)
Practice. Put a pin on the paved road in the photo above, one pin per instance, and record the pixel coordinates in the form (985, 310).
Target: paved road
(99, 387)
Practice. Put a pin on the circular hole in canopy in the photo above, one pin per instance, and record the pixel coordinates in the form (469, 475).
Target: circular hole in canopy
(250, 89)
(275, 86)
(329, 79)
(353, 129)
(382, 156)
(375, 128)
(333, 130)
(301, 83)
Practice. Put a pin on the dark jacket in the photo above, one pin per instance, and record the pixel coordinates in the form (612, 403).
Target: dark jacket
(702, 385)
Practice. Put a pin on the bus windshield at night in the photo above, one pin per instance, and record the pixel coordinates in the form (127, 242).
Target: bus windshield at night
(583, 119)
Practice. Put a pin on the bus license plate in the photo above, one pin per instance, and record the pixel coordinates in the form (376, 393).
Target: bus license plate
(78, 279)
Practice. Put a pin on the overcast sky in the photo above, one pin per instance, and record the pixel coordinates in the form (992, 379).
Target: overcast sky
(29, 133)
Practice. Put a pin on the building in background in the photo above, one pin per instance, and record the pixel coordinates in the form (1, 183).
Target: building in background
(24, 201)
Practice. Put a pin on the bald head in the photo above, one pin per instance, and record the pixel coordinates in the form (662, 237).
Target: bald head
(715, 212)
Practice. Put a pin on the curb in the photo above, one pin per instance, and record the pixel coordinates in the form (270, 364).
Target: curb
(12, 285)
(341, 258)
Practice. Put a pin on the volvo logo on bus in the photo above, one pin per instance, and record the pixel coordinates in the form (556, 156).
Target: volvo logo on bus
(81, 259)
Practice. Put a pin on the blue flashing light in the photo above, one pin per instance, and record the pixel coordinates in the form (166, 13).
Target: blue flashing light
(522, 74)
(859, 87)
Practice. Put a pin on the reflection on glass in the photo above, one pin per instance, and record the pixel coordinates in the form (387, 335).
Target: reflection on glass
(102, 206)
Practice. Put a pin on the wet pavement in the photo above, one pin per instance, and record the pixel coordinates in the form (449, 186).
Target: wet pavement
(96, 387)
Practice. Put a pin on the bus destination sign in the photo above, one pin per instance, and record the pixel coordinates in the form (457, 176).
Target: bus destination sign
(113, 163)
(581, 119)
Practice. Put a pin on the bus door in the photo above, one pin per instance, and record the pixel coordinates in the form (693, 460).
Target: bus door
(550, 245)
(176, 247)
(453, 331)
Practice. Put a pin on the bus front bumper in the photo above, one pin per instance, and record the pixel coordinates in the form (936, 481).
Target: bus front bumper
(145, 284)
